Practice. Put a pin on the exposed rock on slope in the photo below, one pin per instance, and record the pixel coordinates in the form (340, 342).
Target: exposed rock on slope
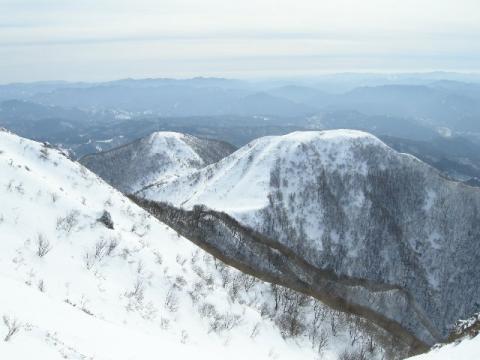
(397, 242)
(157, 157)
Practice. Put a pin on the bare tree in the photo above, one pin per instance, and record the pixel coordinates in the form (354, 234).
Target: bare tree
(10, 186)
(321, 341)
(43, 246)
(54, 197)
(184, 337)
(101, 249)
(68, 222)
(207, 310)
(13, 326)
(41, 285)
(227, 321)
(181, 260)
(89, 260)
(164, 323)
(171, 301)
(255, 331)
(112, 245)
(44, 153)
(138, 290)
(359, 354)
(20, 189)
(158, 257)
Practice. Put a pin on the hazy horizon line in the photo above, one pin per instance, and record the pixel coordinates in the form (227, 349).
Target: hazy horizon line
(246, 78)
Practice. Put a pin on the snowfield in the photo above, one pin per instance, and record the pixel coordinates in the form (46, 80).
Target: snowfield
(468, 349)
(76, 289)
(241, 182)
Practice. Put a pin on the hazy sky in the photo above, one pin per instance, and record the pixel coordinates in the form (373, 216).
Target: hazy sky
(109, 39)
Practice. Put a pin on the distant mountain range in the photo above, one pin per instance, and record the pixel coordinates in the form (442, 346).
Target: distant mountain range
(82, 132)
(430, 98)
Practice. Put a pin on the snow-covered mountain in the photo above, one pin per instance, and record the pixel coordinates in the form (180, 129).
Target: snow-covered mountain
(157, 157)
(87, 274)
(380, 233)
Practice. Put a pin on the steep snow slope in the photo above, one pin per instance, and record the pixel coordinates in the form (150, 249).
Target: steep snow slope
(468, 349)
(463, 342)
(400, 239)
(81, 290)
(241, 183)
(157, 157)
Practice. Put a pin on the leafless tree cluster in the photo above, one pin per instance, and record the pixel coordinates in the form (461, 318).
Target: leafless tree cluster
(219, 322)
(68, 222)
(13, 327)
(172, 300)
(44, 153)
(138, 291)
(43, 246)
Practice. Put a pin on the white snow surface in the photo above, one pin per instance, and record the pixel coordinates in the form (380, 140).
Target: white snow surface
(240, 183)
(158, 157)
(468, 349)
(180, 158)
(82, 300)
(162, 140)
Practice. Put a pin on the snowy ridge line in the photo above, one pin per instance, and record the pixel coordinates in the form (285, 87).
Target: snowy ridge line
(295, 273)
(112, 150)
(157, 157)
(136, 141)
(259, 154)
(93, 155)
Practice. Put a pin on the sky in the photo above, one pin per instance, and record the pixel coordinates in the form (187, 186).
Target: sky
(96, 40)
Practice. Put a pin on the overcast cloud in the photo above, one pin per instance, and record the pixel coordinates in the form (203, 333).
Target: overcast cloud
(106, 39)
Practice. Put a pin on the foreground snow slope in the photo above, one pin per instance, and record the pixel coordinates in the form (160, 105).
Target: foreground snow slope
(468, 349)
(403, 238)
(159, 156)
(80, 290)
